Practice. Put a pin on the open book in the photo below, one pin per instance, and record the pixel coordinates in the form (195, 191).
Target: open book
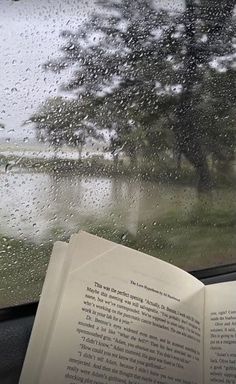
(110, 314)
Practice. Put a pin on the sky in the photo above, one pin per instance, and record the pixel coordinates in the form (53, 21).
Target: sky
(30, 32)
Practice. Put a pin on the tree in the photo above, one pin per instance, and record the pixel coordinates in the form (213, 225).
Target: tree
(217, 115)
(60, 121)
(138, 64)
(130, 99)
(211, 23)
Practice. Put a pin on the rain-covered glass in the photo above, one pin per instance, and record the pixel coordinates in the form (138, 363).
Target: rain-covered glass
(117, 117)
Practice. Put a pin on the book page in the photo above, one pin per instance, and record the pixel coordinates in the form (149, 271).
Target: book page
(44, 315)
(91, 246)
(61, 261)
(126, 318)
(220, 333)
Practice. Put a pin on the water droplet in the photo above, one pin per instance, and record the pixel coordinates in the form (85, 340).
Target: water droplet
(8, 167)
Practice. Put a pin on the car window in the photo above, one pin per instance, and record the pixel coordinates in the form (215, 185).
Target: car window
(116, 117)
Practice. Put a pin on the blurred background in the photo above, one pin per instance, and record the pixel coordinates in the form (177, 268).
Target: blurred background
(117, 117)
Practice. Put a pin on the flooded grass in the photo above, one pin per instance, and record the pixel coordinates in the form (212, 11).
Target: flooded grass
(171, 223)
(194, 242)
(22, 270)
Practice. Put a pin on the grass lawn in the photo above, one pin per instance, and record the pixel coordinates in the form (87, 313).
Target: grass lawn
(206, 237)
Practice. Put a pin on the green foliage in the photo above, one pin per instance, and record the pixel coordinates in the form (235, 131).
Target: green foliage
(60, 121)
(147, 75)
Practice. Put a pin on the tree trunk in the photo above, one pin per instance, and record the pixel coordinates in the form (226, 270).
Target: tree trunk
(177, 156)
(133, 160)
(80, 148)
(187, 130)
(115, 161)
(133, 156)
(188, 133)
(201, 166)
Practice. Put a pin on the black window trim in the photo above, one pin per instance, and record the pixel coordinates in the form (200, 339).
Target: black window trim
(217, 271)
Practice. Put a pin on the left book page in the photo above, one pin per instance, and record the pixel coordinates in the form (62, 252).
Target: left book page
(125, 317)
(61, 261)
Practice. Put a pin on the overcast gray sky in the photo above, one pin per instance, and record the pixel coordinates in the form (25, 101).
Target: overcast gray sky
(29, 37)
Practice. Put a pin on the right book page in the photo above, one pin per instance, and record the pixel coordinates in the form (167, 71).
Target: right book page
(220, 333)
